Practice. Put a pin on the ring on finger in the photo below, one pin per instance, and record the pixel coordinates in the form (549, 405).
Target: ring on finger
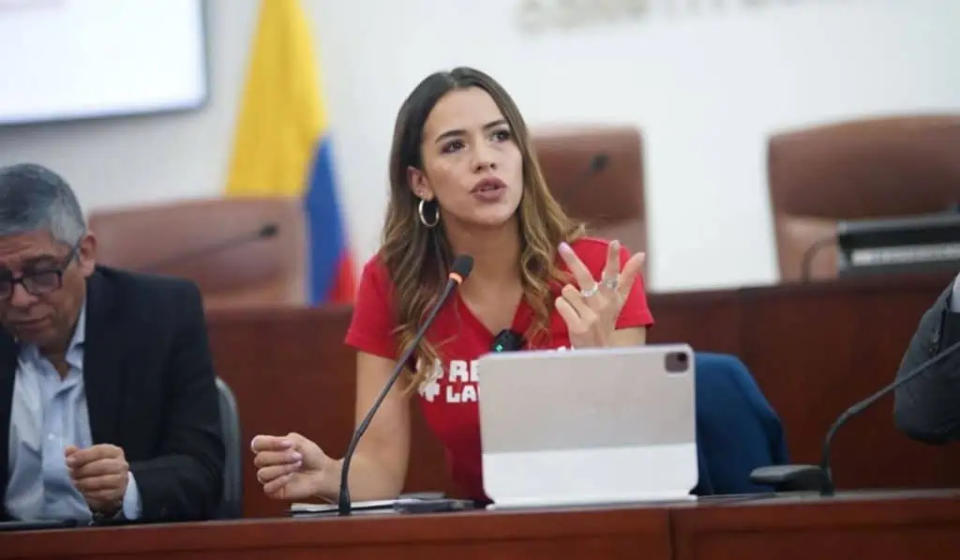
(610, 282)
(588, 292)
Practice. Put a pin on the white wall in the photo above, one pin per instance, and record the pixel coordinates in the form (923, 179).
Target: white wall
(706, 86)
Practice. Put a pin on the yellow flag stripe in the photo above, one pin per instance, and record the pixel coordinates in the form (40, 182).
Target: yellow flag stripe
(282, 114)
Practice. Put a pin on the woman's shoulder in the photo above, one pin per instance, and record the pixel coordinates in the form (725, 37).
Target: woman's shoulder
(375, 263)
(375, 271)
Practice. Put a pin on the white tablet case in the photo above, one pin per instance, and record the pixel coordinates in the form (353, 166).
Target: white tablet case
(589, 426)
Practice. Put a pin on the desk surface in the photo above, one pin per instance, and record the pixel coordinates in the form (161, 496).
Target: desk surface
(869, 525)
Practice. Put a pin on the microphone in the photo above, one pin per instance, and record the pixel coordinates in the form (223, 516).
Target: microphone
(507, 340)
(807, 262)
(266, 231)
(598, 163)
(458, 273)
(819, 476)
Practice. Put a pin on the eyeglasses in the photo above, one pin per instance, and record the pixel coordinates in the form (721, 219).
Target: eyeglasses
(39, 282)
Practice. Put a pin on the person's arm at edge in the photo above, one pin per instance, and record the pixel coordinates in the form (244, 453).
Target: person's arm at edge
(184, 481)
(928, 408)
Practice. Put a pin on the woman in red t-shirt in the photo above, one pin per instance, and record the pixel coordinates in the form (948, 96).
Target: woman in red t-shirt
(464, 179)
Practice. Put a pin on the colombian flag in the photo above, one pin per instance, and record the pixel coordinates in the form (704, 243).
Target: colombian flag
(282, 145)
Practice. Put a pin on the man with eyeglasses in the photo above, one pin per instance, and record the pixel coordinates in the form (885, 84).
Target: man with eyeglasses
(108, 407)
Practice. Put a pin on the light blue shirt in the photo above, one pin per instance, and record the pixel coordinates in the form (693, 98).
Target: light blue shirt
(48, 414)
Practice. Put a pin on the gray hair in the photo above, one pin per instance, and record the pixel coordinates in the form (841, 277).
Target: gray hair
(34, 198)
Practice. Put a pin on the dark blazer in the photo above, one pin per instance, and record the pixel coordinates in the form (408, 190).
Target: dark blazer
(150, 390)
(928, 408)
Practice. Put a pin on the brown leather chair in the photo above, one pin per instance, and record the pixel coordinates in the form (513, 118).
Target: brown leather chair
(596, 173)
(224, 245)
(877, 168)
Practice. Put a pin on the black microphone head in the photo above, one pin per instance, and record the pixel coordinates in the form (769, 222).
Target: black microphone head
(599, 162)
(507, 340)
(462, 265)
(268, 230)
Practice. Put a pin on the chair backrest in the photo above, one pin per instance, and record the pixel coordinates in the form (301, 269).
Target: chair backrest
(737, 429)
(231, 503)
(894, 166)
(189, 239)
(596, 173)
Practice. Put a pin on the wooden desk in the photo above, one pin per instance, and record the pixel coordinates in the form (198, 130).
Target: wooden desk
(905, 525)
(521, 536)
(858, 525)
(814, 350)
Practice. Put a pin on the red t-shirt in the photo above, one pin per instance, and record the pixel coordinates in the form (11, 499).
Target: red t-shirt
(449, 398)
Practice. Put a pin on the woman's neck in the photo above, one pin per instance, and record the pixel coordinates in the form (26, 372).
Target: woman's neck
(495, 252)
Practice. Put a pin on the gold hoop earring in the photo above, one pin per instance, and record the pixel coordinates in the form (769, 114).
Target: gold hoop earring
(423, 218)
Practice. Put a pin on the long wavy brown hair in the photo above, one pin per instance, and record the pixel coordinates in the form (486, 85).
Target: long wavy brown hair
(418, 259)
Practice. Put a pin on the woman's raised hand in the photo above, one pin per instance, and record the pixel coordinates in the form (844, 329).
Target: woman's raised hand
(591, 308)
